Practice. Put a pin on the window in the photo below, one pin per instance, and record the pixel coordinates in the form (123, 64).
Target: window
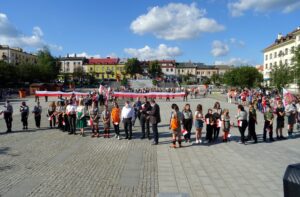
(266, 58)
(275, 54)
(266, 66)
(91, 69)
(178, 71)
(292, 50)
(286, 62)
(167, 70)
(286, 51)
(171, 69)
(275, 64)
(270, 56)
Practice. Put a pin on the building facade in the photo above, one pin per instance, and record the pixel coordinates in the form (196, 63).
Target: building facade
(168, 67)
(280, 52)
(16, 56)
(106, 68)
(69, 64)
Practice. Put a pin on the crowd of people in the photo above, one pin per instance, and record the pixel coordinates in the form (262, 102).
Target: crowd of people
(78, 113)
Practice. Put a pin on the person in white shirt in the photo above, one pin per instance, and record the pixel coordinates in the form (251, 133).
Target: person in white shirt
(127, 115)
(71, 112)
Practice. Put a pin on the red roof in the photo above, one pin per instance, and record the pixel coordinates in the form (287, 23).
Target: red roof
(108, 61)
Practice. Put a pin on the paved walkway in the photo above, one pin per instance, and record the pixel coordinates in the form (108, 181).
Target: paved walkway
(52, 163)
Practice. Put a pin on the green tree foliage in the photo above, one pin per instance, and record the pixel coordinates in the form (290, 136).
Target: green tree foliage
(154, 69)
(296, 67)
(281, 76)
(133, 67)
(244, 76)
(48, 65)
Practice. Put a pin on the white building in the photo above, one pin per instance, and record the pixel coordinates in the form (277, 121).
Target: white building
(168, 67)
(68, 64)
(280, 52)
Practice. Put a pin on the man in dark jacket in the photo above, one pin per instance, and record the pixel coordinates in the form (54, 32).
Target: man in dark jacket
(154, 120)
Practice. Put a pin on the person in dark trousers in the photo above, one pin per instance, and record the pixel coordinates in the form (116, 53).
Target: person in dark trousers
(154, 120)
(252, 121)
(71, 112)
(65, 117)
(209, 125)
(187, 121)
(127, 115)
(217, 112)
(268, 126)
(242, 122)
(8, 115)
(24, 109)
(144, 120)
(280, 111)
(37, 111)
(59, 114)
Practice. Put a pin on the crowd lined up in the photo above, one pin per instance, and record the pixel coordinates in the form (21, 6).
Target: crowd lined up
(78, 113)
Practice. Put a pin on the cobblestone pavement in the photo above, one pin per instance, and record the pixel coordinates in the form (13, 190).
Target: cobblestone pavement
(51, 163)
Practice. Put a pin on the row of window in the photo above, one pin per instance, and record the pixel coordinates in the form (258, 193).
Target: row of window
(286, 61)
(280, 53)
(198, 72)
(107, 69)
(74, 63)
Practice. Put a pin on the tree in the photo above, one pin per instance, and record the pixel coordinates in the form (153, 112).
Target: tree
(78, 73)
(280, 76)
(133, 67)
(48, 65)
(244, 76)
(154, 69)
(296, 67)
(7, 74)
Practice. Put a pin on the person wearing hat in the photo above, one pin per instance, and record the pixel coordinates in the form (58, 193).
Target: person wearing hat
(8, 115)
(24, 109)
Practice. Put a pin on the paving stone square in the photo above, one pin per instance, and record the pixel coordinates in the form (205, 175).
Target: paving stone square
(48, 162)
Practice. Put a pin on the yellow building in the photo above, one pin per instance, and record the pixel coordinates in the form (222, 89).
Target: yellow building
(105, 68)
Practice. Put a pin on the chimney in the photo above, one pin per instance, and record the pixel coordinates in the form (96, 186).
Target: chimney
(298, 28)
(279, 36)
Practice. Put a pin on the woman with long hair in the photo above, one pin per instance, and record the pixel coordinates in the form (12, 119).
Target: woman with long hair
(242, 122)
(198, 123)
(115, 118)
(175, 125)
(80, 115)
(217, 112)
(187, 121)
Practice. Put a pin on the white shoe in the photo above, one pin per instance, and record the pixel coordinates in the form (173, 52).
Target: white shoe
(119, 137)
(200, 141)
(197, 141)
(116, 136)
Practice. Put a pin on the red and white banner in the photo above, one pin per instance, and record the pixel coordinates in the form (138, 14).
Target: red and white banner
(148, 95)
(59, 93)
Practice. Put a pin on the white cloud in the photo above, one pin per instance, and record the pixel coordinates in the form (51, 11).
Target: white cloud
(219, 49)
(234, 62)
(10, 35)
(235, 42)
(84, 54)
(238, 7)
(148, 53)
(175, 21)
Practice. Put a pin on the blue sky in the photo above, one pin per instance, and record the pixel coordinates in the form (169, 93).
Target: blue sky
(208, 31)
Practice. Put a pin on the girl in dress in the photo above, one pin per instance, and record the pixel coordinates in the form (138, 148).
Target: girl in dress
(226, 124)
(80, 115)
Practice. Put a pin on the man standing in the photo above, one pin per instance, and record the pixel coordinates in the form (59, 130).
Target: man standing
(37, 111)
(127, 115)
(8, 115)
(144, 119)
(154, 120)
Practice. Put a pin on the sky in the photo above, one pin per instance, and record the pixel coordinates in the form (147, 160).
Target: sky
(230, 32)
